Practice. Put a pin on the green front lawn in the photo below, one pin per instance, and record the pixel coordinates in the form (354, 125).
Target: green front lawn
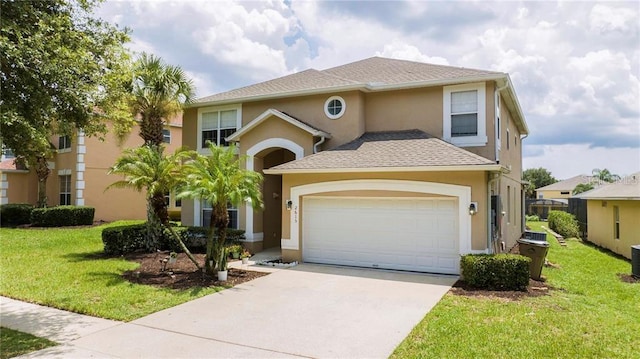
(64, 268)
(14, 343)
(591, 314)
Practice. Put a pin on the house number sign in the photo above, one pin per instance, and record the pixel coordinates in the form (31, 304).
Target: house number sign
(295, 214)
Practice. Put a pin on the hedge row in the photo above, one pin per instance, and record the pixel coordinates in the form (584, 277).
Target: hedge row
(130, 238)
(496, 271)
(62, 216)
(15, 214)
(564, 224)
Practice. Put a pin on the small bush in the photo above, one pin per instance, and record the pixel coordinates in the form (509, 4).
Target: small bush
(62, 216)
(124, 239)
(175, 215)
(195, 238)
(532, 218)
(496, 271)
(564, 224)
(15, 214)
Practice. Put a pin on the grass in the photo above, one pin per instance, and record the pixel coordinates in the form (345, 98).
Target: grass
(15, 343)
(591, 314)
(64, 268)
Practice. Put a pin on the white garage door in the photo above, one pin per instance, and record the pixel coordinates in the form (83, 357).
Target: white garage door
(416, 234)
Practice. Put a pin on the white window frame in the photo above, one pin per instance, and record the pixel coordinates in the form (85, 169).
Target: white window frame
(342, 110)
(498, 124)
(68, 190)
(616, 222)
(67, 144)
(166, 135)
(480, 139)
(204, 110)
(205, 206)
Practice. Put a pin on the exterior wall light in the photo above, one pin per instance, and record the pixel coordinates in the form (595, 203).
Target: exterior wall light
(289, 203)
(473, 208)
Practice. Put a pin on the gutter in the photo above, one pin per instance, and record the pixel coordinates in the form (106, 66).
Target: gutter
(317, 144)
(495, 176)
(492, 168)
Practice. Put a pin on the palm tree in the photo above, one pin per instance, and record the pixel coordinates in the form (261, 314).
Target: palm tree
(219, 180)
(146, 168)
(605, 175)
(159, 91)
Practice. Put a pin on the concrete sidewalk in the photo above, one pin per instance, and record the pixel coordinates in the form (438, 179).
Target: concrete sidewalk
(307, 311)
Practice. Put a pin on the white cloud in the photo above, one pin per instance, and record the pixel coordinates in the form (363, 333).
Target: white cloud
(606, 19)
(401, 50)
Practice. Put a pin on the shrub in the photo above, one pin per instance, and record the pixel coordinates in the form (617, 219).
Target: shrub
(124, 239)
(195, 238)
(62, 216)
(564, 224)
(532, 218)
(175, 215)
(15, 214)
(496, 271)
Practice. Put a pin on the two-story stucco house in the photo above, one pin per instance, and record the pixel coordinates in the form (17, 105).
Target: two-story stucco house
(79, 175)
(379, 163)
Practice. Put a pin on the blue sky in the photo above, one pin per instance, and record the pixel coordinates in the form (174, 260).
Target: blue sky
(575, 65)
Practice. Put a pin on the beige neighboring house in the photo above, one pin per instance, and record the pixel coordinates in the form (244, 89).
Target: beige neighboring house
(79, 176)
(377, 163)
(613, 215)
(562, 189)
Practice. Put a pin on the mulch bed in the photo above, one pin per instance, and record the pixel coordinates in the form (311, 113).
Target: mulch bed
(535, 289)
(181, 275)
(628, 278)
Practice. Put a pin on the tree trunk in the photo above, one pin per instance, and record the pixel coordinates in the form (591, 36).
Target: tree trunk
(217, 237)
(42, 171)
(159, 206)
(151, 128)
(154, 228)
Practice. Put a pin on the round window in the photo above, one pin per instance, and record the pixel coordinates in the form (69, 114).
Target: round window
(334, 107)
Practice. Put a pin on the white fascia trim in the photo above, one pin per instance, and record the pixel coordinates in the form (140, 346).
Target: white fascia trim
(467, 141)
(235, 106)
(387, 169)
(281, 115)
(254, 150)
(463, 193)
(369, 87)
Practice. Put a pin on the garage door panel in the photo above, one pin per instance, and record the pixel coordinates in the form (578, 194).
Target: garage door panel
(408, 234)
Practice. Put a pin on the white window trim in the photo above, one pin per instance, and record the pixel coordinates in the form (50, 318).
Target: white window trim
(166, 136)
(60, 192)
(205, 208)
(339, 114)
(202, 110)
(465, 141)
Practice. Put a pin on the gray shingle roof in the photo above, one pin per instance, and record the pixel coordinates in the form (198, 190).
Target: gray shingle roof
(388, 150)
(365, 74)
(568, 184)
(626, 188)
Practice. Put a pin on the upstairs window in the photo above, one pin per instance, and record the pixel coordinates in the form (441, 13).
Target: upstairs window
(166, 136)
(335, 107)
(216, 126)
(464, 115)
(64, 143)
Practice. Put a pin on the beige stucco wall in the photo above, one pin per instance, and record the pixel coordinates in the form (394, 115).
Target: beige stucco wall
(600, 220)
(310, 109)
(475, 180)
(22, 187)
(548, 194)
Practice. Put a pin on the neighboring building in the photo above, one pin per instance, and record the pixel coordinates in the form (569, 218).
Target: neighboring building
(79, 176)
(563, 189)
(613, 213)
(376, 163)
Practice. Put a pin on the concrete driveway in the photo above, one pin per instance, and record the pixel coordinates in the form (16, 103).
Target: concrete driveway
(306, 311)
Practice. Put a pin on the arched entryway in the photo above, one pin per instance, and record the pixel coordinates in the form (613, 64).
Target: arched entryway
(264, 227)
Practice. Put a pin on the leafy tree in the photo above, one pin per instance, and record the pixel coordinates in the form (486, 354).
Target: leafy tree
(219, 180)
(147, 169)
(582, 187)
(605, 175)
(158, 92)
(537, 178)
(58, 65)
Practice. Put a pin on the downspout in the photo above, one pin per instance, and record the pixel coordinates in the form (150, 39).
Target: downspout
(317, 144)
(494, 177)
